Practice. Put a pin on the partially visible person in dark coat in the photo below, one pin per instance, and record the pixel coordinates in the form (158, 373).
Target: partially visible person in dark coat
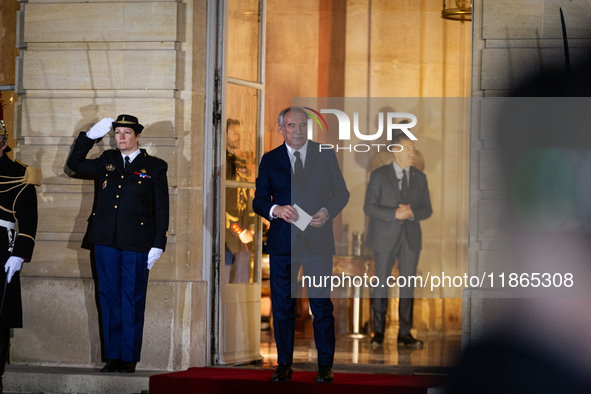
(129, 229)
(18, 205)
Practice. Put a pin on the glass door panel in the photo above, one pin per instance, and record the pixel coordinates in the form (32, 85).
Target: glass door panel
(244, 39)
(241, 133)
(242, 98)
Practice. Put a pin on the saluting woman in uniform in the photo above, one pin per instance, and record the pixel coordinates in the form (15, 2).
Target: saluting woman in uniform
(129, 228)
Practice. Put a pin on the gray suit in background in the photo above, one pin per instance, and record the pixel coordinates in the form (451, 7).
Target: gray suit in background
(391, 238)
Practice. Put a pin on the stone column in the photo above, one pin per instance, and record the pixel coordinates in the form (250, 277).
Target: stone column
(511, 40)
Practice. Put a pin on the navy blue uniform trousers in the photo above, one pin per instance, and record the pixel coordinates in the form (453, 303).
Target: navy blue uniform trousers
(284, 283)
(122, 282)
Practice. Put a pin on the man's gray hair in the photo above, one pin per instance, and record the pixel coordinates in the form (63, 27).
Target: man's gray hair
(289, 109)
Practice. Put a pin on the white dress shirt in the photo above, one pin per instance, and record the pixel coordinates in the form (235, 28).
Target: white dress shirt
(292, 159)
(131, 156)
(303, 151)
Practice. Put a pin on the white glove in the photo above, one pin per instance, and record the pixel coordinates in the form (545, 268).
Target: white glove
(246, 237)
(100, 129)
(13, 264)
(153, 255)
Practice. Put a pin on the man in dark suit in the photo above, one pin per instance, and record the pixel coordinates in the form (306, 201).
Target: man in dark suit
(397, 199)
(297, 172)
(129, 228)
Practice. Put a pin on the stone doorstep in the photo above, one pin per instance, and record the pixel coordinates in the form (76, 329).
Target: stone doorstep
(34, 379)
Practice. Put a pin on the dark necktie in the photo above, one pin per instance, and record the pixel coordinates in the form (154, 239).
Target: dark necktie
(299, 168)
(404, 188)
(127, 162)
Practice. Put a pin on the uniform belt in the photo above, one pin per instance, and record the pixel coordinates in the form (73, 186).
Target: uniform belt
(9, 226)
(6, 224)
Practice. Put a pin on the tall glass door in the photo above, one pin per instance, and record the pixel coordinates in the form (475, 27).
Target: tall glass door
(242, 113)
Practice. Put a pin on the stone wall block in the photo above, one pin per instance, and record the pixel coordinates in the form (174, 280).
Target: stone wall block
(59, 70)
(493, 216)
(69, 116)
(92, 22)
(63, 310)
(491, 174)
(507, 19)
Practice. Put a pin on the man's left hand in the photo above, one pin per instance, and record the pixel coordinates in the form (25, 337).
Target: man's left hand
(406, 209)
(13, 264)
(153, 255)
(319, 219)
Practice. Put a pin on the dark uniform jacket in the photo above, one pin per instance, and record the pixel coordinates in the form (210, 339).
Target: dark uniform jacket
(238, 207)
(131, 211)
(18, 201)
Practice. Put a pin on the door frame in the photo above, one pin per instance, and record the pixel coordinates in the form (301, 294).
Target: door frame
(211, 162)
(214, 180)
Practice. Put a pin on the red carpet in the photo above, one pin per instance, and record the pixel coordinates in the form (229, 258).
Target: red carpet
(239, 380)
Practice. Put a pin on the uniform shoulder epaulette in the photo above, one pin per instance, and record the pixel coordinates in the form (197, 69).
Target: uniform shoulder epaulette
(21, 174)
(32, 174)
(146, 154)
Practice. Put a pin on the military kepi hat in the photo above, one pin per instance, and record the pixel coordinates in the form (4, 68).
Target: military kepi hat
(128, 121)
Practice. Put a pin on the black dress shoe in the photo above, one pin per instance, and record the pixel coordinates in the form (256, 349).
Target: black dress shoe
(408, 341)
(377, 340)
(111, 366)
(324, 374)
(126, 367)
(282, 373)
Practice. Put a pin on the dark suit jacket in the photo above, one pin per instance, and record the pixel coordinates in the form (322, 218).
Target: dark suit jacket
(381, 201)
(324, 186)
(131, 211)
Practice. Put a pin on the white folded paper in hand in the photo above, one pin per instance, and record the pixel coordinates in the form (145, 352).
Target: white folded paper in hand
(303, 218)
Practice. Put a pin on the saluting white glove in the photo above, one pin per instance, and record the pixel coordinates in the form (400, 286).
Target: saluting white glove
(100, 129)
(12, 265)
(153, 255)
